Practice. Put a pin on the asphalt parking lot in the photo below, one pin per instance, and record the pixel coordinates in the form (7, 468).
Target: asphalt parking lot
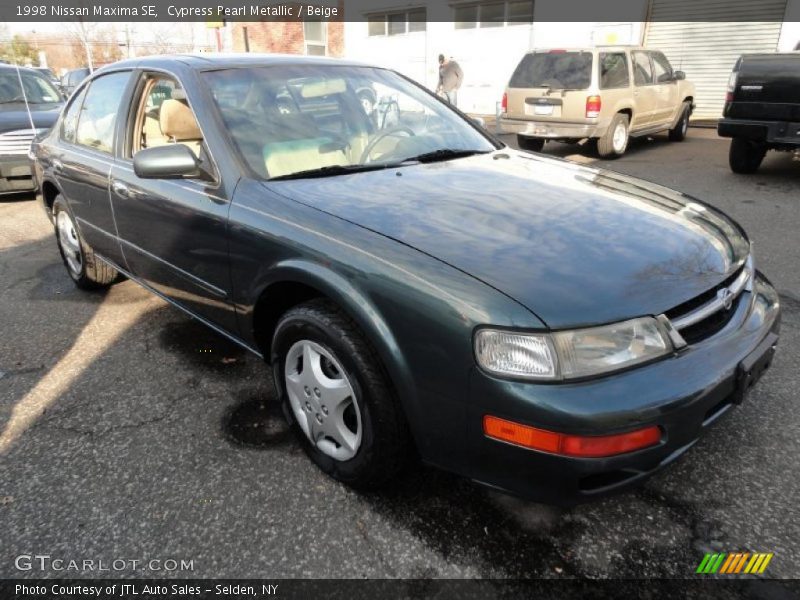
(129, 431)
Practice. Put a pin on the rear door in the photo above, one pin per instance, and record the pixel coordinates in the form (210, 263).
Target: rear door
(173, 231)
(84, 158)
(668, 92)
(551, 86)
(645, 92)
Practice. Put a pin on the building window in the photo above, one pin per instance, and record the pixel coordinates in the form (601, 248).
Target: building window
(493, 14)
(316, 37)
(397, 23)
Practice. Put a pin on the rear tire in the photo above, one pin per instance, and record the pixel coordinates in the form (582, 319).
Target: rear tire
(615, 140)
(363, 440)
(83, 267)
(745, 156)
(678, 133)
(530, 144)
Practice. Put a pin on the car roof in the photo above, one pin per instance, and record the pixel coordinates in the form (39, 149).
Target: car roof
(600, 47)
(210, 61)
(6, 67)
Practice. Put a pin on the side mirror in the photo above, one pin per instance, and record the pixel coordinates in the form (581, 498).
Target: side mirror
(479, 121)
(679, 75)
(171, 161)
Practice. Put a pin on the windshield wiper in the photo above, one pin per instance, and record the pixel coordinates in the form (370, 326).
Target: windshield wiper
(444, 154)
(333, 170)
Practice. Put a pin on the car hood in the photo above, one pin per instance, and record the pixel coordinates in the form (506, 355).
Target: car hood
(575, 245)
(14, 116)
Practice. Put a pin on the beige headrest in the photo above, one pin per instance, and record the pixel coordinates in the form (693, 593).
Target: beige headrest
(177, 121)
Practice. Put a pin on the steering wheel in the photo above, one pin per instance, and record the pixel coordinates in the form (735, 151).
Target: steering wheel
(374, 142)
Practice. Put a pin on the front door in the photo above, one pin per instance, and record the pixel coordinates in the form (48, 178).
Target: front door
(645, 93)
(668, 101)
(173, 231)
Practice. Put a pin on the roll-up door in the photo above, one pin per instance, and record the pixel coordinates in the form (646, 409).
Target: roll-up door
(707, 46)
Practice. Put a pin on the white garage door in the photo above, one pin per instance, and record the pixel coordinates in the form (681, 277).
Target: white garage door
(707, 50)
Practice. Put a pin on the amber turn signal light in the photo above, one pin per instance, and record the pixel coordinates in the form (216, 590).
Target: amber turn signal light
(583, 446)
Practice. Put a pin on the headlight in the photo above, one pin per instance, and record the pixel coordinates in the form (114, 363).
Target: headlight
(571, 354)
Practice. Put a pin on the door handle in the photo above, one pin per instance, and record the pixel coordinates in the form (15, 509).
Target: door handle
(58, 166)
(120, 189)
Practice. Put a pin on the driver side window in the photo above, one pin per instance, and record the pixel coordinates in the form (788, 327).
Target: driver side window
(165, 117)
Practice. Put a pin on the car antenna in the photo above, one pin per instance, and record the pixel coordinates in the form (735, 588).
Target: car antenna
(22, 87)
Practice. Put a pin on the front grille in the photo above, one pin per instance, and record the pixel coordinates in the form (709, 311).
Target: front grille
(16, 142)
(706, 315)
(698, 301)
(710, 325)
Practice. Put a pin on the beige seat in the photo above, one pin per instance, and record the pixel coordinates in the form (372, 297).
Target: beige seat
(179, 125)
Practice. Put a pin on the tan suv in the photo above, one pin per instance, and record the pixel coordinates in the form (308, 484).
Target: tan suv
(604, 93)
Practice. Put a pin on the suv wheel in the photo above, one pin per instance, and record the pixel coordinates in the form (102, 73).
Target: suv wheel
(83, 267)
(745, 156)
(615, 141)
(336, 397)
(530, 144)
(678, 133)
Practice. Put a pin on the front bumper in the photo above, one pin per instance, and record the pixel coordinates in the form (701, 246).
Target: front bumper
(770, 132)
(683, 395)
(15, 174)
(552, 129)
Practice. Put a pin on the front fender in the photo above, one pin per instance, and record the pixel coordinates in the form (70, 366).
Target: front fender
(353, 302)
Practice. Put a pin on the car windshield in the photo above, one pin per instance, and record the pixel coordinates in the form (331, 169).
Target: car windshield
(37, 89)
(324, 120)
(554, 69)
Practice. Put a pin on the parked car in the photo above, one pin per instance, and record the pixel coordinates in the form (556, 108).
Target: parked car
(606, 93)
(72, 79)
(762, 108)
(546, 328)
(48, 74)
(19, 123)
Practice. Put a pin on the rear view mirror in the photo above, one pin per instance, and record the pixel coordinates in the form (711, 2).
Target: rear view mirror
(171, 161)
(679, 75)
(323, 87)
(479, 122)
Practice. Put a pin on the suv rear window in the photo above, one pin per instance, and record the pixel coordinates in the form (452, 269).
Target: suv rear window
(557, 70)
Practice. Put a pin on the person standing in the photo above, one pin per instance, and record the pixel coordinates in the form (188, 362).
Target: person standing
(450, 78)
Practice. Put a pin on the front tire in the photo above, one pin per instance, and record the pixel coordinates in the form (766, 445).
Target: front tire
(745, 156)
(615, 140)
(336, 396)
(530, 144)
(82, 265)
(678, 133)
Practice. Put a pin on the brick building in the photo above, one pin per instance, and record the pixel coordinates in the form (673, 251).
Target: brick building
(291, 37)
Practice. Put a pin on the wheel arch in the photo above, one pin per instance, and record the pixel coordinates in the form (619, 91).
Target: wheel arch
(49, 193)
(297, 281)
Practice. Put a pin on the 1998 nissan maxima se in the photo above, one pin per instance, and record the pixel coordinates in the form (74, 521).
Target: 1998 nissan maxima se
(548, 329)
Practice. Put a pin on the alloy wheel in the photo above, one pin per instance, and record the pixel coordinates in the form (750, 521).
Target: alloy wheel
(620, 138)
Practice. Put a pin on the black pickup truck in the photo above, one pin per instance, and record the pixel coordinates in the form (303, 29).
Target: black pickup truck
(762, 108)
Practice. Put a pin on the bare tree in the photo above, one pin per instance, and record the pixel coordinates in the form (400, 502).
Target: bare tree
(83, 31)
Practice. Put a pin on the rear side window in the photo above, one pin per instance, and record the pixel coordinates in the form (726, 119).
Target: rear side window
(99, 113)
(556, 70)
(642, 71)
(613, 70)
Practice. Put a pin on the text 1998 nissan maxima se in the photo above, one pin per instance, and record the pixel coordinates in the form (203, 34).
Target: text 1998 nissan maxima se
(548, 329)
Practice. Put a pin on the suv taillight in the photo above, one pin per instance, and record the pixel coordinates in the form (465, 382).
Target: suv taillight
(731, 86)
(593, 105)
(504, 102)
